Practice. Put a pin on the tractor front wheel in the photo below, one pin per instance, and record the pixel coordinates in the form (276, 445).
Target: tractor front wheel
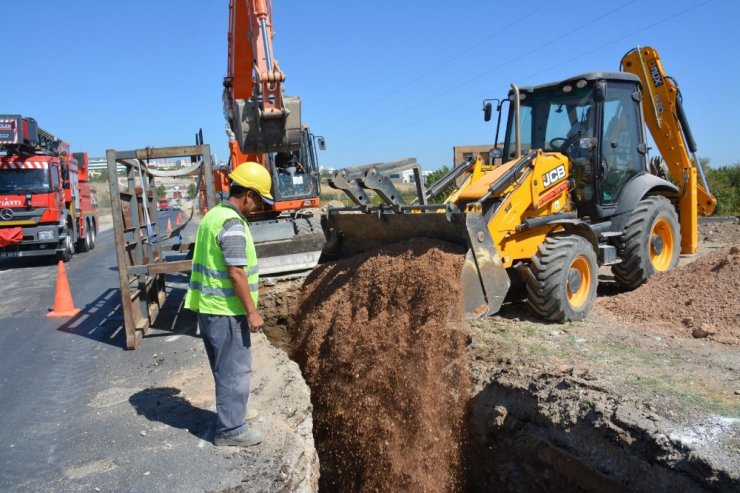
(562, 280)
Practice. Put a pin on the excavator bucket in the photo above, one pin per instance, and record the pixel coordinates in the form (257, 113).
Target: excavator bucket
(483, 277)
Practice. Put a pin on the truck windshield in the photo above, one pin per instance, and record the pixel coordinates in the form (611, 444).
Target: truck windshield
(24, 180)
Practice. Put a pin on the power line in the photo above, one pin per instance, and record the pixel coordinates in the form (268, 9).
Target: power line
(502, 88)
(396, 114)
(443, 64)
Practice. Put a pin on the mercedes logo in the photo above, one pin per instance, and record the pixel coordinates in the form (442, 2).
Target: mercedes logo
(6, 214)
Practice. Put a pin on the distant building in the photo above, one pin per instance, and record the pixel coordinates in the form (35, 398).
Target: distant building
(461, 153)
(408, 175)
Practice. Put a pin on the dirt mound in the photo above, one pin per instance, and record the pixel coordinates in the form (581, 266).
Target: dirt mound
(386, 364)
(698, 300)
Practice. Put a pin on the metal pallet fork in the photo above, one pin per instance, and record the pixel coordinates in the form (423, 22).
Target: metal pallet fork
(140, 240)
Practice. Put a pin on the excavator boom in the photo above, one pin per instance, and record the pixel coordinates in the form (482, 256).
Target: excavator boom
(260, 118)
(264, 126)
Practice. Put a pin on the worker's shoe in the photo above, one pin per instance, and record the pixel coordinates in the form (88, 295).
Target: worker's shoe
(244, 439)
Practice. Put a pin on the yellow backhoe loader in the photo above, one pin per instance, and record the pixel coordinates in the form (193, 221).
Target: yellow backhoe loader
(575, 191)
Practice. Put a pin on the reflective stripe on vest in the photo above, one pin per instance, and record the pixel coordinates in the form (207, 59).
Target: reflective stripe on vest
(211, 290)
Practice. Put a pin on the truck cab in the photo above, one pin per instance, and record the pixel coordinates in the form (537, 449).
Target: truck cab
(46, 204)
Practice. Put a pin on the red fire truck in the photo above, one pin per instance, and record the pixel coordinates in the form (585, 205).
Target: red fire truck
(46, 205)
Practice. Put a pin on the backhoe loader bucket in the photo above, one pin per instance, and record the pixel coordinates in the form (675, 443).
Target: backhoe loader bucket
(483, 277)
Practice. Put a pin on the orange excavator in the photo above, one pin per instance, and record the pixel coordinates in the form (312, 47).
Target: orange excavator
(264, 125)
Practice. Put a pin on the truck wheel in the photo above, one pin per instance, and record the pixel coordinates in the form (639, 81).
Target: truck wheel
(93, 233)
(85, 244)
(650, 242)
(65, 255)
(561, 285)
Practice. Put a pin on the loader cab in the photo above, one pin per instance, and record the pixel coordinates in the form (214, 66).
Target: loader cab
(595, 120)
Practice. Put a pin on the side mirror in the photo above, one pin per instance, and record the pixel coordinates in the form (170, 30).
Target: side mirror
(495, 153)
(487, 111)
(65, 173)
(322, 143)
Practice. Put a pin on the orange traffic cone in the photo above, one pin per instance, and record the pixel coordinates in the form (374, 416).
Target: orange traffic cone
(64, 306)
(169, 226)
(177, 219)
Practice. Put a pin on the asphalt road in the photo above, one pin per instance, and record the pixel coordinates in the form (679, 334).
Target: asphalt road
(79, 412)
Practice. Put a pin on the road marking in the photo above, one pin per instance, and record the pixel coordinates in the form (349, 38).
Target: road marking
(172, 338)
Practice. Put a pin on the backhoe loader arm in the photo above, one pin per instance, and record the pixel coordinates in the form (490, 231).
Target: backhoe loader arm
(666, 120)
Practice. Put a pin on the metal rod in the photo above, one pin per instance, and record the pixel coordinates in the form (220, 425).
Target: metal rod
(442, 183)
(517, 126)
(265, 41)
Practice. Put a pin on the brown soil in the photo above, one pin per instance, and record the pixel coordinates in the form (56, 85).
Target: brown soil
(699, 299)
(387, 367)
(606, 404)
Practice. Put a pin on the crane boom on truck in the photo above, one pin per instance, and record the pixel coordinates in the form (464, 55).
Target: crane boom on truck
(574, 192)
(46, 204)
(264, 126)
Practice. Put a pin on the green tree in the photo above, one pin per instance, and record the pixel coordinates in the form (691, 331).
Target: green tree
(100, 176)
(192, 190)
(161, 191)
(437, 175)
(724, 183)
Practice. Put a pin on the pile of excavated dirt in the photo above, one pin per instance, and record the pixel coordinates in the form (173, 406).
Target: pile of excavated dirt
(699, 299)
(380, 344)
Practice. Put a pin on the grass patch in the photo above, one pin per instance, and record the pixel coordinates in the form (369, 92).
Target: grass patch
(683, 398)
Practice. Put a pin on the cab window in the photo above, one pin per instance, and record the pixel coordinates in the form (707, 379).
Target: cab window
(620, 142)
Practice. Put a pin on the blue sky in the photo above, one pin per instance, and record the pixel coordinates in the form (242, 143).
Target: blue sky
(381, 80)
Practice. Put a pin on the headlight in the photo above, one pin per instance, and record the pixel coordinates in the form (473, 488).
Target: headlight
(46, 235)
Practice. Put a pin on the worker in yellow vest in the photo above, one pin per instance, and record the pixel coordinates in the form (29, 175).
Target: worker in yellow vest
(223, 291)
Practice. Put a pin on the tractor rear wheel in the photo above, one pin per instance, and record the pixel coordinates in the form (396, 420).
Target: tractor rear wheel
(650, 242)
(562, 280)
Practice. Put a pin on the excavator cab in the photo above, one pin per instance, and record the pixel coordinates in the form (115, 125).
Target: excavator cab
(295, 173)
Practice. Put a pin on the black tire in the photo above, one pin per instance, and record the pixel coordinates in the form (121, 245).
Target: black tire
(562, 280)
(85, 244)
(65, 255)
(93, 233)
(650, 242)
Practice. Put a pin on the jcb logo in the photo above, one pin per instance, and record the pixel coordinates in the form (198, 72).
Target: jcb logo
(553, 175)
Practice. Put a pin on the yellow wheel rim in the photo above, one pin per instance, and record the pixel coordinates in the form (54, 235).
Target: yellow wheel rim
(661, 245)
(578, 291)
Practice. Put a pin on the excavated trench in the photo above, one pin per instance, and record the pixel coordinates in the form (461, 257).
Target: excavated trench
(401, 405)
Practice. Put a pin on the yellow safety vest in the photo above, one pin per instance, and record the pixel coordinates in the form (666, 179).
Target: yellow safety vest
(211, 290)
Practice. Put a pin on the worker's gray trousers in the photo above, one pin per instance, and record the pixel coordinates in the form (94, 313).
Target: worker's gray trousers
(229, 349)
